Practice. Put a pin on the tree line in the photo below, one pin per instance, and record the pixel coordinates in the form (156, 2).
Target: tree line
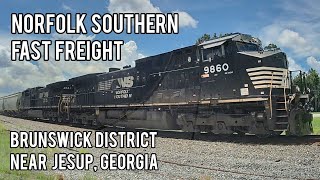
(309, 82)
(207, 37)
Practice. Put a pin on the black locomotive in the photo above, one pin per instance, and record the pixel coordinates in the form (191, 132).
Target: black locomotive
(223, 86)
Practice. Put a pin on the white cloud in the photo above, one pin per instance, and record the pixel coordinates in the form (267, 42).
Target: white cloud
(56, 36)
(19, 75)
(297, 43)
(4, 57)
(290, 39)
(296, 29)
(134, 6)
(186, 20)
(145, 6)
(303, 8)
(66, 7)
(293, 66)
(313, 63)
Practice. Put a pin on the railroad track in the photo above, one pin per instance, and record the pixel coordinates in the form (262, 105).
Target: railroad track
(234, 138)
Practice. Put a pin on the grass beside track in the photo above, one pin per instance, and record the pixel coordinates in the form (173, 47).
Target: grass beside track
(316, 125)
(5, 150)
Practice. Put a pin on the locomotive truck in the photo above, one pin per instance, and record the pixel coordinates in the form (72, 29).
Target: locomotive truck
(223, 86)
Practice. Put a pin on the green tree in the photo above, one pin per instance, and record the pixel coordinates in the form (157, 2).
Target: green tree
(313, 83)
(298, 81)
(207, 37)
(215, 36)
(203, 38)
(309, 80)
(313, 80)
(270, 46)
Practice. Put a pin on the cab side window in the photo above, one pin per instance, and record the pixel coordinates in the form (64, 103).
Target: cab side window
(207, 54)
(211, 53)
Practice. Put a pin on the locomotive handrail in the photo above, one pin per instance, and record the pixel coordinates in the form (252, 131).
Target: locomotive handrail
(59, 102)
(270, 95)
(284, 90)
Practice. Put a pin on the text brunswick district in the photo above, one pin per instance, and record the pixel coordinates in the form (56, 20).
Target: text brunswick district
(83, 161)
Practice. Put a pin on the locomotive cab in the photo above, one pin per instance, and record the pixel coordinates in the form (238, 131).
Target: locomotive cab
(237, 73)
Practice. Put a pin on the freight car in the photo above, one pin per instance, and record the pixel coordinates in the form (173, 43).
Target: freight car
(223, 86)
(9, 105)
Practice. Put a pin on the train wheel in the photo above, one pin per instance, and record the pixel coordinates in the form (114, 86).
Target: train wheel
(263, 135)
(276, 133)
(60, 119)
(95, 122)
(53, 119)
(84, 121)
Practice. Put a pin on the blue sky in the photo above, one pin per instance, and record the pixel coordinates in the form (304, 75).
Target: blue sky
(212, 16)
(291, 24)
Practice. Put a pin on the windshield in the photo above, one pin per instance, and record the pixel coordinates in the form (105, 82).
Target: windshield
(242, 46)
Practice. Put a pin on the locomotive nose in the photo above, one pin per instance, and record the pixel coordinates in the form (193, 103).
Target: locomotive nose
(274, 58)
(271, 70)
(278, 59)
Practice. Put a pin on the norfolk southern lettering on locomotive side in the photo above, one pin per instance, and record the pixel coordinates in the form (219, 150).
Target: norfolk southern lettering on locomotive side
(222, 86)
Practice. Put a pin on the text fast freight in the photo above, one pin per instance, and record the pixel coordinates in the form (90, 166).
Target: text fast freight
(79, 50)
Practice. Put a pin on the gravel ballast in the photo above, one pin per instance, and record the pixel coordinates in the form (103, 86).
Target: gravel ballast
(194, 159)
